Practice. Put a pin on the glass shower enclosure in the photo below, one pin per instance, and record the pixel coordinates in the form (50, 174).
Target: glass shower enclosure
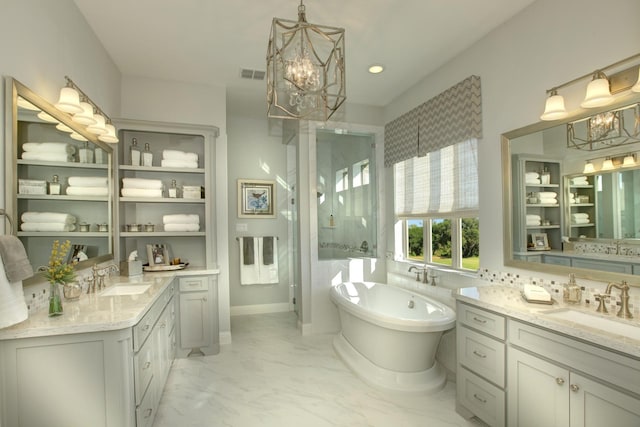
(347, 195)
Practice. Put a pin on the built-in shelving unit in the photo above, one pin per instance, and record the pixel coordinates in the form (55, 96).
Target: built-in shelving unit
(583, 202)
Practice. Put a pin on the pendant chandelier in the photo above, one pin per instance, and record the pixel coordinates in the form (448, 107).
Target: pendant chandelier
(305, 69)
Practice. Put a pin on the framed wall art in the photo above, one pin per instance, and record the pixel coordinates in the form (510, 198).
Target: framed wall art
(256, 198)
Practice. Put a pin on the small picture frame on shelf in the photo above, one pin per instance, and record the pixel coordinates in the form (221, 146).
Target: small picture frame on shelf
(540, 242)
(256, 198)
(157, 254)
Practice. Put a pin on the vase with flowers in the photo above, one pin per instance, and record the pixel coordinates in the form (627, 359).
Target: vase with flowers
(58, 273)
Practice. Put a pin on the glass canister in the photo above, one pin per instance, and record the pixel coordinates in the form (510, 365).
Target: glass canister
(55, 186)
(173, 189)
(545, 176)
(85, 154)
(147, 156)
(135, 152)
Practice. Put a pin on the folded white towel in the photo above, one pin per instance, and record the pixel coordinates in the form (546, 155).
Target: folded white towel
(170, 163)
(13, 308)
(579, 180)
(533, 217)
(533, 181)
(580, 215)
(181, 219)
(141, 192)
(87, 191)
(52, 157)
(88, 181)
(179, 155)
(580, 221)
(546, 195)
(534, 175)
(152, 184)
(548, 201)
(49, 147)
(62, 218)
(533, 223)
(536, 293)
(181, 227)
(46, 226)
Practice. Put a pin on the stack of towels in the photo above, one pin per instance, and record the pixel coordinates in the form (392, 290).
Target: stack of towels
(579, 180)
(535, 293)
(532, 178)
(47, 221)
(140, 187)
(572, 198)
(181, 222)
(50, 151)
(88, 186)
(547, 197)
(533, 220)
(179, 159)
(580, 218)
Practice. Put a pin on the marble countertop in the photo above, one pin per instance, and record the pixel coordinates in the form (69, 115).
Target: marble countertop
(96, 313)
(509, 302)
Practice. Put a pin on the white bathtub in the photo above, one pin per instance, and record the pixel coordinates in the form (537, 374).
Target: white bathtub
(390, 335)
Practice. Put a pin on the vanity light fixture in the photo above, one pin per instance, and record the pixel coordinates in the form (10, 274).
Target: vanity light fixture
(629, 161)
(305, 69)
(64, 128)
(611, 163)
(588, 167)
(607, 165)
(87, 113)
(600, 91)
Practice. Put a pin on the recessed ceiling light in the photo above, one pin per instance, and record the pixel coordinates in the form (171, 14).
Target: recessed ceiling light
(376, 69)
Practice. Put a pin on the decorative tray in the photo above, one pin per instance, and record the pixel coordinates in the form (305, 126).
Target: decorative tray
(539, 249)
(148, 267)
(533, 301)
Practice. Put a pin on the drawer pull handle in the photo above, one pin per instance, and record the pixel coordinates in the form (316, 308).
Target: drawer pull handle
(204, 298)
(560, 381)
(478, 398)
(480, 355)
(479, 320)
(147, 365)
(574, 387)
(193, 283)
(148, 412)
(146, 327)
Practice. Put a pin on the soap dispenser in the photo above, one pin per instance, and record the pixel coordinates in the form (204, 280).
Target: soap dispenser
(572, 293)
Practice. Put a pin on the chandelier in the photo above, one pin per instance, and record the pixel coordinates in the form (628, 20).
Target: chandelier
(605, 130)
(305, 69)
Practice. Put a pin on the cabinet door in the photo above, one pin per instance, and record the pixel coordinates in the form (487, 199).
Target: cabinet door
(596, 404)
(195, 323)
(538, 392)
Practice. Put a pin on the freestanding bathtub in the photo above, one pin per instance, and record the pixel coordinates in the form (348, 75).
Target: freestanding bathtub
(390, 335)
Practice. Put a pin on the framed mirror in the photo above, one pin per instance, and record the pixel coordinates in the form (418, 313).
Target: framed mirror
(58, 180)
(571, 194)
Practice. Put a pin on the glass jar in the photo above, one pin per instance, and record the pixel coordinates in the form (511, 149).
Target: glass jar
(85, 154)
(55, 186)
(135, 152)
(55, 301)
(173, 189)
(147, 156)
(545, 177)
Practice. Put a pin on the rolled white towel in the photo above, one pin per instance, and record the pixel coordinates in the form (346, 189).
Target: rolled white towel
(580, 215)
(47, 226)
(141, 192)
(181, 219)
(51, 157)
(62, 218)
(151, 184)
(580, 220)
(546, 195)
(49, 147)
(536, 293)
(181, 227)
(533, 217)
(87, 191)
(179, 155)
(170, 163)
(548, 201)
(88, 181)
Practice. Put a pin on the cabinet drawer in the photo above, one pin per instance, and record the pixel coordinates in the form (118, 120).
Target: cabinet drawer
(485, 400)
(146, 410)
(143, 365)
(483, 355)
(194, 284)
(142, 330)
(481, 320)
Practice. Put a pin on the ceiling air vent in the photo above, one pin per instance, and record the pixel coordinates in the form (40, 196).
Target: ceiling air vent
(246, 73)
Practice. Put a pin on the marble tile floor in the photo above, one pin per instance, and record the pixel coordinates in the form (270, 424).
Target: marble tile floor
(272, 376)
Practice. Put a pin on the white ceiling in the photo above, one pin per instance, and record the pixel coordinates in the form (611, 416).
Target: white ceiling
(209, 41)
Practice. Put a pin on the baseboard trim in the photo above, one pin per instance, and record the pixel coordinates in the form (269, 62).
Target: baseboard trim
(305, 328)
(225, 338)
(240, 310)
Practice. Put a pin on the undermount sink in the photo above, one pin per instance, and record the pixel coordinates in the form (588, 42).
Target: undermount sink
(125, 290)
(598, 322)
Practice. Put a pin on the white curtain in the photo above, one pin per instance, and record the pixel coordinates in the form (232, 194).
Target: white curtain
(440, 184)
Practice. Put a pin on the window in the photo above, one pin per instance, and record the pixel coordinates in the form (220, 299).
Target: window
(436, 198)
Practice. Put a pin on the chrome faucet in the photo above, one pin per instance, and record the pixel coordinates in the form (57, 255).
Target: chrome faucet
(624, 298)
(96, 281)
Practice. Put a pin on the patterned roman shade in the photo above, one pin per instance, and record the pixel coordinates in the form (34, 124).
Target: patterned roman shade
(453, 116)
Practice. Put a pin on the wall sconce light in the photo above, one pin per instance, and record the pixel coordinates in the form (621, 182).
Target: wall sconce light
(588, 167)
(629, 161)
(85, 112)
(607, 165)
(599, 91)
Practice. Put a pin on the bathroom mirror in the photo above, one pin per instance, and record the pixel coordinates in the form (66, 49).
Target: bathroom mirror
(590, 218)
(37, 154)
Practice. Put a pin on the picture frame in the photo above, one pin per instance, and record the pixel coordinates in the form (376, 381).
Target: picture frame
(77, 253)
(540, 241)
(157, 254)
(256, 198)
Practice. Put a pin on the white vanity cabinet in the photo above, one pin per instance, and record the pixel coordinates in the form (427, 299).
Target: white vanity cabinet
(481, 364)
(554, 380)
(199, 329)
